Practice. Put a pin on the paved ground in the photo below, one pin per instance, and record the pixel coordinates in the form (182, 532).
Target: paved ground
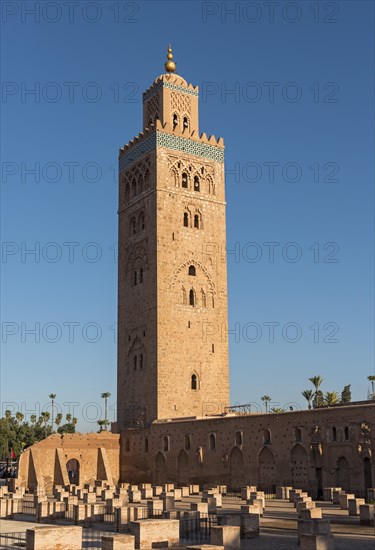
(278, 526)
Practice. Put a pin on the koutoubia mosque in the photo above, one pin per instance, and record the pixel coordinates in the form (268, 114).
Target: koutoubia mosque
(174, 420)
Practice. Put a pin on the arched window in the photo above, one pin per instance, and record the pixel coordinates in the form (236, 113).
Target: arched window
(141, 221)
(211, 186)
(175, 120)
(196, 221)
(146, 445)
(238, 438)
(298, 434)
(165, 443)
(127, 192)
(141, 361)
(133, 226)
(266, 437)
(127, 445)
(134, 188)
(196, 184)
(135, 278)
(141, 275)
(192, 270)
(184, 180)
(212, 442)
(191, 297)
(203, 298)
(140, 183)
(334, 434)
(135, 361)
(186, 219)
(187, 443)
(186, 122)
(194, 382)
(346, 433)
(147, 178)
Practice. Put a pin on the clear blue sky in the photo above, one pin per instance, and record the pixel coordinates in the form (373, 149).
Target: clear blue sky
(298, 130)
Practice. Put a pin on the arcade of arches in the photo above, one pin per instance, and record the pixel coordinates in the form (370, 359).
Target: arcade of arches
(295, 448)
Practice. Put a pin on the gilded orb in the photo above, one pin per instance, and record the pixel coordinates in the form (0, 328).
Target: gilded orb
(170, 65)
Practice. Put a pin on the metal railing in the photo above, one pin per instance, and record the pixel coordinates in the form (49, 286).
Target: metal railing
(197, 528)
(12, 540)
(27, 507)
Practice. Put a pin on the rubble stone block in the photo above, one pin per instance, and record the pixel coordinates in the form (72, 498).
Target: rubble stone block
(227, 536)
(201, 507)
(366, 514)
(118, 542)
(316, 542)
(336, 496)
(54, 538)
(150, 532)
(249, 525)
(354, 504)
(344, 500)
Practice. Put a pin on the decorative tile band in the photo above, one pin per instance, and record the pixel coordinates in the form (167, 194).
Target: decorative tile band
(169, 141)
(190, 146)
(145, 146)
(182, 89)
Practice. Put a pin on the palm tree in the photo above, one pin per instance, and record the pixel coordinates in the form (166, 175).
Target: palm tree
(33, 419)
(19, 417)
(308, 395)
(69, 418)
(74, 421)
(331, 398)
(105, 396)
(277, 410)
(372, 380)
(52, 396)
(58, 420)
(45, 416)
(316, 381)
(266, 399)
(101, 424)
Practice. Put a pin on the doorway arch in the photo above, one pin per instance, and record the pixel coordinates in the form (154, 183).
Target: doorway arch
(343, 474)
(72, 467)
(183, 467)
(236, 468)
(300, 467)
(367, 473)
(160, 469)
(266, 470)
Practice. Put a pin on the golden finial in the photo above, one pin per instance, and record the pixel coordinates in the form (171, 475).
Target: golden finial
(170, 65)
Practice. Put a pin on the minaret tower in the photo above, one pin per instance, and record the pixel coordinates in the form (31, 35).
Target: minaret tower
(172, 285)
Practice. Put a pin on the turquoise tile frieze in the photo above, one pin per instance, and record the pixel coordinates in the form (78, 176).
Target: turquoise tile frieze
(152, 91)
(137, 151)
(176, 143)
(186, 145)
